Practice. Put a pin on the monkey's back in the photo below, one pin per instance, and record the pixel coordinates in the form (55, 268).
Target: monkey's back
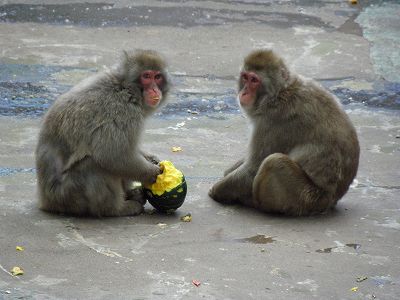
(328, 148)
(66, 135)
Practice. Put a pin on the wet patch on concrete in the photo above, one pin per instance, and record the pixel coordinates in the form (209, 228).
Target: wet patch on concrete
(381, 93)
(23, 99)
(204, 103)
(105, 14)
(386, 97)
(29, 90)
(257, 239)
(4, 171)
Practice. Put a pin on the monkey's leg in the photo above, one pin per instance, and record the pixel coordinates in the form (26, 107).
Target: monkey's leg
(281, 186)
(102, 193)
(110, 197)
(133, 193)
(234, 167)
(233, 188)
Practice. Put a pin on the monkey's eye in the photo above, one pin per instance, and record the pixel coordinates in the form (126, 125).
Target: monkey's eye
(254, 79)
(146, 75)
(158, 77)
(244, 77)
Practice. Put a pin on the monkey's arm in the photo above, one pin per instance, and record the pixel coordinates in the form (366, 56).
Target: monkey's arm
(115, 150)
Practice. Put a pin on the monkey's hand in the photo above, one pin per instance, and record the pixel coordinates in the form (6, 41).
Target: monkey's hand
(151, 175)
(151, 158)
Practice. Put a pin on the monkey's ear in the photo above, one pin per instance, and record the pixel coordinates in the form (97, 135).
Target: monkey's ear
(124, 56)
(285, 73)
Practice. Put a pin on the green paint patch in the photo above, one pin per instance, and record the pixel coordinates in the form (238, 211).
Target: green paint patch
(324, 48)
(355, 85)
(71, 77)
(380, 25)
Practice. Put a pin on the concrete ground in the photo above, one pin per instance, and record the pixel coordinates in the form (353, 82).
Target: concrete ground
(234, 252)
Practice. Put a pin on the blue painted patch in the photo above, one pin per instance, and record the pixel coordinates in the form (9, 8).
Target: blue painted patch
(29, 90)
(5, 171)
(387, 97)
(23, 92)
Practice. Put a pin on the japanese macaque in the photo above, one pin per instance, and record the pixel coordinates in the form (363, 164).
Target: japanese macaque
(88, 150)
(304, 150)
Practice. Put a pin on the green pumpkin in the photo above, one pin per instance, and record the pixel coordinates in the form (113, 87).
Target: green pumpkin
(168, 201)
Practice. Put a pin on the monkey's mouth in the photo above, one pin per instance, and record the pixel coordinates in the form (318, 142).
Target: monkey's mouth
(245, 97)
(153, 101)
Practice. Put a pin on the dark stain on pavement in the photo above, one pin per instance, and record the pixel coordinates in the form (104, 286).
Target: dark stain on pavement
(257, 239)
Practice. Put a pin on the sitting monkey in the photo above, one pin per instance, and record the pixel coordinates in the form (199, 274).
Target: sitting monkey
(88, 150)
(304, 150)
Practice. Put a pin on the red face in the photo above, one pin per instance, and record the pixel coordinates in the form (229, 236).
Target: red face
(251, 82)
(152, 81)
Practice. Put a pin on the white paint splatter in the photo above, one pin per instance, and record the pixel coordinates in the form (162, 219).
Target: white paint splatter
(307, 30)
(175, 286)
(5, 270)
(259, 44)
(106, 251)
(189, 259)
(376, 260)
(330, 233)
(354, 184)
(47, 281)
(389, 223)
(375, 149)
(310, 284)
(340, 247)
(65, 241)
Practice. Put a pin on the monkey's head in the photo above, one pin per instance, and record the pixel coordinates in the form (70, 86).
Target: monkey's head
(263, 76)
(144, 72)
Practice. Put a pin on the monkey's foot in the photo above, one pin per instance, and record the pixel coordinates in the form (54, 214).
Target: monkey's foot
(136, 194)
(224, 200)
(131, 208)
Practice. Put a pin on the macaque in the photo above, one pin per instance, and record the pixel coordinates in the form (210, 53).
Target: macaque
(88, 151)
(303, 153)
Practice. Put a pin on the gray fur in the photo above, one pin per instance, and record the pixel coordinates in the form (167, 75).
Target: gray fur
(88, 149)
(304, 151)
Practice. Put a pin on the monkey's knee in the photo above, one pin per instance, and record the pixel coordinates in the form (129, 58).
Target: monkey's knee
(276, 161)
(281, 186)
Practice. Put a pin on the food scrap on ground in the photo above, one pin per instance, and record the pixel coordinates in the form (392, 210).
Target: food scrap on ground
(196, 282)
(162, 225)
(361, 278)
(187, 218)
(16, 271)
(193, 112)
(176, 149)
(354, 289)
(19, 248)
